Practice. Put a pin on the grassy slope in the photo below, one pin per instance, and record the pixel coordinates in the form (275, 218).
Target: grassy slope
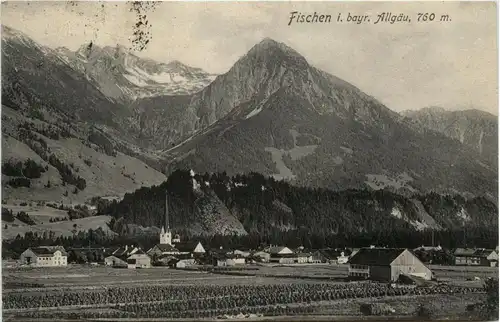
(106, 176)
(62, 228)
(40, 214)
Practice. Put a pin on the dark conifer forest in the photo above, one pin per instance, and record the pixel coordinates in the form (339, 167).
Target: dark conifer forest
(276, 212)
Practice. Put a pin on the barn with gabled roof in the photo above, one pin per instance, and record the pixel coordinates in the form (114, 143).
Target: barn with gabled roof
(387, 264)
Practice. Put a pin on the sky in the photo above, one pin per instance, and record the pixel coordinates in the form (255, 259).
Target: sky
(451, 64)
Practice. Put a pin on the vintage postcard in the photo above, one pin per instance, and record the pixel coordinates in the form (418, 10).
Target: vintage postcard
(249, 160)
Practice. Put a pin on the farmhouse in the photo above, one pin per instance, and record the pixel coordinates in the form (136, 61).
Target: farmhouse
(386, 264)
(476, 257)
(318, 257)
(190, 247)
(125, 251)
(227, 260)
(279, 250)
(261, 256)
(281, 254)
(331, 256)
(183, 263)
(302, 258)
(119, 257)
(139, 260)
(47, 256)
(115, 261)
(159, 250)
(163, 260)
(242, 253)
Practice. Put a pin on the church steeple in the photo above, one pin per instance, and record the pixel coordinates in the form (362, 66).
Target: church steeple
(166, 234)
(167, 221)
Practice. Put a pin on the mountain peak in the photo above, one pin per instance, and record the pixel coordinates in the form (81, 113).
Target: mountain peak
(272, 50)
(176, 64)
(269, 41)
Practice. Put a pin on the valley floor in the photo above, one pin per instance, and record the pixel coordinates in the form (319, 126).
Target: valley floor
(85, 292)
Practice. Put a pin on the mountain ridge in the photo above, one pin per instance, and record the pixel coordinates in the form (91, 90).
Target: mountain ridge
(475, 128)
(123, 76)
(272, 113)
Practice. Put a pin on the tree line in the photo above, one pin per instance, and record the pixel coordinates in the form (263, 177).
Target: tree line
(278, 211)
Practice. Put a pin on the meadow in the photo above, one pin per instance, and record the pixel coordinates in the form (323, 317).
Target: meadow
(77, 291)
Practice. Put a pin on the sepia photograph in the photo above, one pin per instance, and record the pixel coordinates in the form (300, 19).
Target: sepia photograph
(249, 161)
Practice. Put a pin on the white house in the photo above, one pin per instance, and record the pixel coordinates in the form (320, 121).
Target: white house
(303, 258)
(139, 260)
(228, 260)
(476, 257)
(47, 256)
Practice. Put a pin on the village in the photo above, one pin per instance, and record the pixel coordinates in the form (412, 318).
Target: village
(377, 263)
(373, 262)
(177, 278)
(193, 280)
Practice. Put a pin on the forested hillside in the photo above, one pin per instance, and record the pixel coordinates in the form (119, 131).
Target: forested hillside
(268, 208)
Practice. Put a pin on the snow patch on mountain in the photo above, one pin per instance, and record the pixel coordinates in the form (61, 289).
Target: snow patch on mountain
(135, 80)
(121, 75)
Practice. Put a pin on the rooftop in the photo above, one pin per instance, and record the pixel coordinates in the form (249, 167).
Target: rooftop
(376, 256)
(48, 250)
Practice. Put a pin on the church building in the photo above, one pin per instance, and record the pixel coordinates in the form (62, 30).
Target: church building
(173, 247)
